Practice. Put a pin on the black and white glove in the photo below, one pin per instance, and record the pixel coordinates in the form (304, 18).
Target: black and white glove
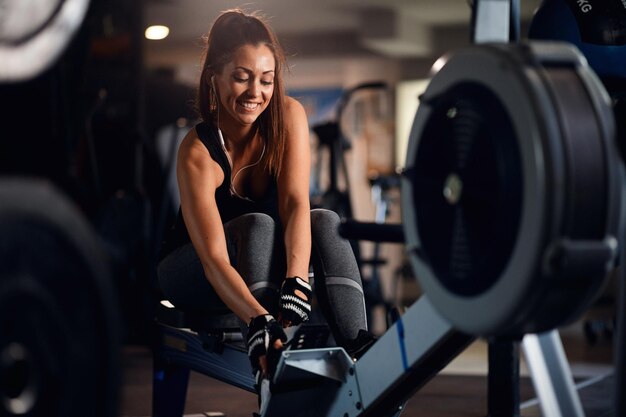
(263, 331)
(293, 308)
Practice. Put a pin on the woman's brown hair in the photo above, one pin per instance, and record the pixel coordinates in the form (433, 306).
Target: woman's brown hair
(230, 31)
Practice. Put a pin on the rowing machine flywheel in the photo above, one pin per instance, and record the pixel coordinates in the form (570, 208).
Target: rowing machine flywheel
(511, 195)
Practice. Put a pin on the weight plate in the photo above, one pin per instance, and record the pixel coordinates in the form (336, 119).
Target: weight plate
(59, 324)
(506, 146)
(34, 33)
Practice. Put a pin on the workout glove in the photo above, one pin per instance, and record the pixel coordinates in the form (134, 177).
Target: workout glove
(263, 331)
(294, 308)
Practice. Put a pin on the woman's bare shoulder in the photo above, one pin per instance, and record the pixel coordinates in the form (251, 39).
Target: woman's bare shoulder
(192, 150)
(191, 144)
(293, 108)
(194, 156)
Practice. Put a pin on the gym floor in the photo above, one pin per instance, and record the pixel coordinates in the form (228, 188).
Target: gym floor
(459, 390)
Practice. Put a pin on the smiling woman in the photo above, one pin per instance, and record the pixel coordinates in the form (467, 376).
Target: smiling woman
(245, 234)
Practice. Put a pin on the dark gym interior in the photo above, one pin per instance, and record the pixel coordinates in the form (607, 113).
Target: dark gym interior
(473, 150)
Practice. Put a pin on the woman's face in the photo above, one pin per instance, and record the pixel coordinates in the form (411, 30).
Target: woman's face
(246, 84)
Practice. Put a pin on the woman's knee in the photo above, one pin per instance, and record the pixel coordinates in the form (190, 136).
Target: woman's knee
(252, 228)
(256, 223)
(324, 221)
(253, 244)
(329, 250)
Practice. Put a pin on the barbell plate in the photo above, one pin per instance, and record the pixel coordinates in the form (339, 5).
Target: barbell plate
(59, 324)
(34, 33)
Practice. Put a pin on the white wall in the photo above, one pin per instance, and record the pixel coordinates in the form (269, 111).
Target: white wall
(340, 72)
(407, 93)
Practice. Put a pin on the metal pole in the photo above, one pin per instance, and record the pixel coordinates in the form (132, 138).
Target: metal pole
(503, 378)
(551, 375)
(619, 355)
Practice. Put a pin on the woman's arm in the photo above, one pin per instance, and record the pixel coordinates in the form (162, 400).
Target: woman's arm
(198, 178)
(293, 191)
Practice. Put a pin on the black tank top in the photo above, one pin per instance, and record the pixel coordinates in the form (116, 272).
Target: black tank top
(229, 206)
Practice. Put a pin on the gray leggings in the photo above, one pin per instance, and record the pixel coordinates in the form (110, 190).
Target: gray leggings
(255, 249)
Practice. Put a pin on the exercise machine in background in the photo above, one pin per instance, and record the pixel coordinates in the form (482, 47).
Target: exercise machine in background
(335, 138)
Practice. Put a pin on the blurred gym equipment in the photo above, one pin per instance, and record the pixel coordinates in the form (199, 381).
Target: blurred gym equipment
(598, 29)
(34, 33)
(59, 323)
(332, 136)
(60, 329)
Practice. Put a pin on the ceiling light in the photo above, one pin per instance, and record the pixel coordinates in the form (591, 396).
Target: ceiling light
(157, 32)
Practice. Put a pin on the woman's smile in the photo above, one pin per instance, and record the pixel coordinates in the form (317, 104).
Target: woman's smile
(248, 106)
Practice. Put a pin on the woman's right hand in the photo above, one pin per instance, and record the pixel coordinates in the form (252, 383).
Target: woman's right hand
(295, 301)
(265, 342)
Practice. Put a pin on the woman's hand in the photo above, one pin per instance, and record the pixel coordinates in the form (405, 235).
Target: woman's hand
(265, 342)
(295, 301)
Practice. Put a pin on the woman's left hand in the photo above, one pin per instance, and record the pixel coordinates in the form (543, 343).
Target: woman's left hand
(295, 301)
(265, 341)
